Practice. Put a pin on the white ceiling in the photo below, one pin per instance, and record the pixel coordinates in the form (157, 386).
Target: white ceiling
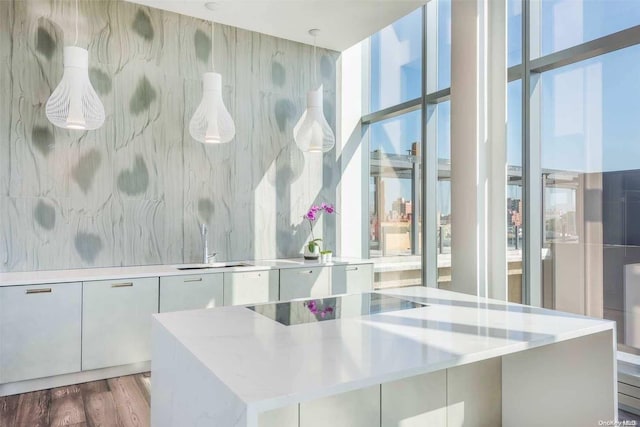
(342, 23)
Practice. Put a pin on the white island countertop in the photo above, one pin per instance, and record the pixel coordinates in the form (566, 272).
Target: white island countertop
(268, 365)
(133, 272)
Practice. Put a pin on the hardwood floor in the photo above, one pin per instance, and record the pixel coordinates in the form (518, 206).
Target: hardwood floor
(117, 402)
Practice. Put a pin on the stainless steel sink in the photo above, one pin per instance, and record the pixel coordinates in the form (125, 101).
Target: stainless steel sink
(213, 265)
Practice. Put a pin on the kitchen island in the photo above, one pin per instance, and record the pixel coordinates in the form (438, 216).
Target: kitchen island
(402, 357)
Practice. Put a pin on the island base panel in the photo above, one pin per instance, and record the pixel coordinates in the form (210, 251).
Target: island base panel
(416, 401)
(182, 394)
(570, 383)
(282, 417)
(358, 408)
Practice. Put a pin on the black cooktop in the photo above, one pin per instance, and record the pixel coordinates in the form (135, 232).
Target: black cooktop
(330, 308)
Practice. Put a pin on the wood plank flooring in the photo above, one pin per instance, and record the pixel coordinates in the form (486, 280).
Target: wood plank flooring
(116, 402)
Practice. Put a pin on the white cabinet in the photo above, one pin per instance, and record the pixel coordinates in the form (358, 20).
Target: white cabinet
(282, 417)
(116, 321)
(191, 292)
(39, 331)
(415, 401)
(474, 395)
(359, 408)
(348, 279)
(251, 287)
(304, 282)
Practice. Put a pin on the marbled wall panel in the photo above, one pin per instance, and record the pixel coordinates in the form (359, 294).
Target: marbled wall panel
(209, 197)
(6, 87)
(38, 232)
(248, 143)
(148, 165)
(331, 171)
(142, 222)
(276, 91)
(37, 149)
(210, 175)
(136, 190)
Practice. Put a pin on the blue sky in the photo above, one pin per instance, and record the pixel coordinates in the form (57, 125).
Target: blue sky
(590, 118)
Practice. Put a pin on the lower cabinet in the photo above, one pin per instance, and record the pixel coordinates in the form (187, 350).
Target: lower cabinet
(116, 321)
(191, 292)
(40, 329)
(281, 417)
(474, 394)
(349, 279)
(359, 408)
(304, 283)
(464, 396)
(251, 287)
(416, 401)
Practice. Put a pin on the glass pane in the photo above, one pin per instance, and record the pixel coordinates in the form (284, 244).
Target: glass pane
(394, 199)
(515, 226)
(591, 187)
(514, 32)
(444, 44)
(567, 23)
(443, 111)
(396, 62)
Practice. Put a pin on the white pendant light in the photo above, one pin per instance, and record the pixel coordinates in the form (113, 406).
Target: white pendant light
(212, 123)
(312, 133)
(74, 103)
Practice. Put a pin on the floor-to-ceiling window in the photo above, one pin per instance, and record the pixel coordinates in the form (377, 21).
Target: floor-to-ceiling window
(407, 96)
(573, 154)
(572, 106)
(395, 140)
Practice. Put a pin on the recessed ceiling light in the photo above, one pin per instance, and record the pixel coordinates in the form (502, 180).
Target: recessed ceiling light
(212, 5)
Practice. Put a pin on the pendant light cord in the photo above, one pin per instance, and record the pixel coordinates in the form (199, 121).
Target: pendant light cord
(315, 65)
(213, 66)
(75, 42)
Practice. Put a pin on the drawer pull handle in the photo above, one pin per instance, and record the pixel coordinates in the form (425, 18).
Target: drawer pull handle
(352, 268)
(199, 279)
(38, 291)
(306, 272)
(122, 285)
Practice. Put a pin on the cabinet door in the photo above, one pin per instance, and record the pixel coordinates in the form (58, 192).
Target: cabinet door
(304, 283)
(39, 331)
(282, 417)
(359, 408)
(415, 401)
(191, 292)
(116, 321)
(250, 287)
(348, 279)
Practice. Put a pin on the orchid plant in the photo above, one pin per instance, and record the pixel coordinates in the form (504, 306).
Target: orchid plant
(312, 216)
(318, 308)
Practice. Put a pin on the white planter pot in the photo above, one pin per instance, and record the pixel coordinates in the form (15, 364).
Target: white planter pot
(309, 254)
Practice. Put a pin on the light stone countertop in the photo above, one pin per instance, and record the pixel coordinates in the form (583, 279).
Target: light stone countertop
(135, 272)
(269, 365)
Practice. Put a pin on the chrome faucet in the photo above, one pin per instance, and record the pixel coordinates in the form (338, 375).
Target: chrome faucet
(206, 257)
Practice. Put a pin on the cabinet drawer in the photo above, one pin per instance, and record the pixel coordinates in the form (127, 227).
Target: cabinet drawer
(250, 287)
(40, 329)
(190, 292)
(348, 279)
(116, 321)
(304, 282)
